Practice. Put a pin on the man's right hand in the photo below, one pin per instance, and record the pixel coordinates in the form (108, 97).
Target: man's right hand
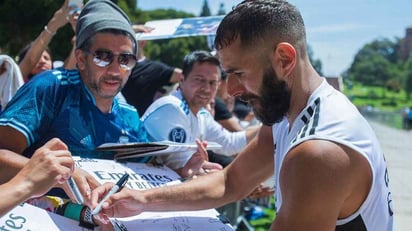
(199, 163)
(125, 203)
(51, 164)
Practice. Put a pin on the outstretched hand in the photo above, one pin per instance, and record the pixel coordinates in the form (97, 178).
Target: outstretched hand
(124, 203)
(50, 165)
(139, 28)
(85, 182)
(261, 191)
(199, 163)
(61, 16)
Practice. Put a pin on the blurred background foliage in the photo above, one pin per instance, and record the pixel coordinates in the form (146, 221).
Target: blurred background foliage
(377, 65)
(22, 21)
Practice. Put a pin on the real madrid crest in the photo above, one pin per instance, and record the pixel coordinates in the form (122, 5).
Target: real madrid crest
(178, 135)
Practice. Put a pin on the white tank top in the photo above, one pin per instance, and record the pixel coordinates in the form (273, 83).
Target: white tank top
(329, 115)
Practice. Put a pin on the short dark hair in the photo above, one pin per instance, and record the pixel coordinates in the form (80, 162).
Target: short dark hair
(254, 21)
(197, 57)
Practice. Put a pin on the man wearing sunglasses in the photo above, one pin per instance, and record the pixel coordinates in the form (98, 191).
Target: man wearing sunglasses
(182, 116)
(77, 106)
(329, 169)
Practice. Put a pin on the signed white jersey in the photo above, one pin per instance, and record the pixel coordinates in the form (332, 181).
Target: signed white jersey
(330, 116)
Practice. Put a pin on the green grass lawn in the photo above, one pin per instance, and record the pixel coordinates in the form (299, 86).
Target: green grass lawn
(264, 223)
(377, 97)
(387, 105)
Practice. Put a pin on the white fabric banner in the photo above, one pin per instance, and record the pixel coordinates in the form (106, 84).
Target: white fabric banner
(183, 27)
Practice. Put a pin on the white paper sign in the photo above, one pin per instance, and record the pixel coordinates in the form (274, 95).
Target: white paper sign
(177, 221)
(27, 217)
(184, 27)
(142, 176)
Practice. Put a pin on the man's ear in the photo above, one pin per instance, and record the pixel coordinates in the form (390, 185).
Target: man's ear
(80, 59)
(285, 58)
(142, 43)
(181, 80)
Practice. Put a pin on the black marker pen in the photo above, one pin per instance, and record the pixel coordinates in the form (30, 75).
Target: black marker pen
(116, 188)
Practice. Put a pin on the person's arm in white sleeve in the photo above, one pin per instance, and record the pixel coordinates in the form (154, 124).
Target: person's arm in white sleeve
(168, 122)
(232, 142)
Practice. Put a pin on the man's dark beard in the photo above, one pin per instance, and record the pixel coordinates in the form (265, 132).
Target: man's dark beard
(274, 100)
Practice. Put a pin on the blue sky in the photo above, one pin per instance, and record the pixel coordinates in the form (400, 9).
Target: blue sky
(336, 29)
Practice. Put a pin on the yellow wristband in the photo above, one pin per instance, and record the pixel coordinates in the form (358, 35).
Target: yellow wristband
(49, 31)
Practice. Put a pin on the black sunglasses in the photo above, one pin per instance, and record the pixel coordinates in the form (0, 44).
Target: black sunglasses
(103, 58)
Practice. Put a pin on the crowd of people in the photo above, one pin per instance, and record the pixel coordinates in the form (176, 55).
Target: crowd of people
(329, 170)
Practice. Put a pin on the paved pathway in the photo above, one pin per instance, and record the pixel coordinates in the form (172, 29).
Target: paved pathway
(397, 145)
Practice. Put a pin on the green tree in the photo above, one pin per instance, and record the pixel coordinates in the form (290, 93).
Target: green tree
(387, 48)
(205, 9)
(221, 10)
(136, 15)
(172, 51)
(408, 78)
(376, 64)
(383, 47)
(159, 14)
(408, 87)
(373, 71)
(22, 21)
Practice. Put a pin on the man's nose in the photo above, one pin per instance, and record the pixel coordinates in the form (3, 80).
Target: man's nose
(114, 67)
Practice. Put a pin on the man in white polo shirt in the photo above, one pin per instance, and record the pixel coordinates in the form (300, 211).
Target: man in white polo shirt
(182, 116)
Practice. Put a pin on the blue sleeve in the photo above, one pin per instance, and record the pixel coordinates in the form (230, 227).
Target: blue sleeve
(141, 133)
(32, 108)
